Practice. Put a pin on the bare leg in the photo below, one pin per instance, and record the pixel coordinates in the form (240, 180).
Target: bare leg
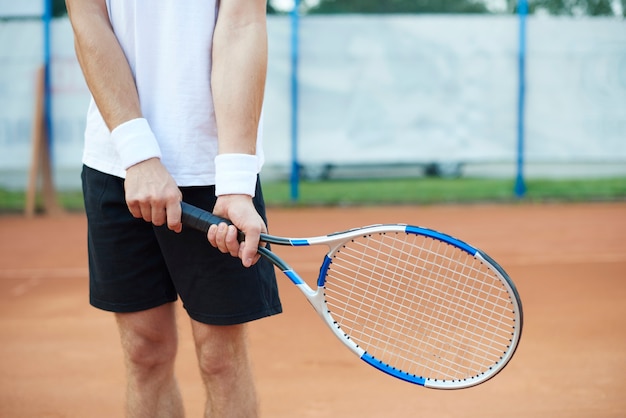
(149, 340)
(226, 372)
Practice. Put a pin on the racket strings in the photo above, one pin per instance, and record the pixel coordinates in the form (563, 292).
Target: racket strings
(420, 305)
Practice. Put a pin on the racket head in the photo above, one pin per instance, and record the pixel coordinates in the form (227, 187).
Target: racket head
(420, 305)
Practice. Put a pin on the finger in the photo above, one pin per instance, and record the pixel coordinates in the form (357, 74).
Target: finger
(244, 256)
(249, 252)
(135, 210)
(173, 213)
(220, 237)
(157, 215)
(212, 235)
(231, 241)
(146, 211)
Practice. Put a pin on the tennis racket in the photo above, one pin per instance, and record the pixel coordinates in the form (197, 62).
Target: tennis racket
(414, 303)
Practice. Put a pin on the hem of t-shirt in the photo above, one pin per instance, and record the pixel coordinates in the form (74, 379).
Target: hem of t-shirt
(182, 180)
(104, 167)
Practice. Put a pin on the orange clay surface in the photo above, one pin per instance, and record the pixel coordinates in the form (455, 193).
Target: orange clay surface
(61, 358)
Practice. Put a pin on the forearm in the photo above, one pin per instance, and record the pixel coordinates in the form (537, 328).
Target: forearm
(104, 65)
(239, 66)
(238, 73)
(111, 82)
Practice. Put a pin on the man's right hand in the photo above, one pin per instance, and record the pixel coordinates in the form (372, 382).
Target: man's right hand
(240, 210)
(152, 194)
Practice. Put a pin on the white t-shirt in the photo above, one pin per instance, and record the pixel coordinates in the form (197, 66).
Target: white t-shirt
(168, 46)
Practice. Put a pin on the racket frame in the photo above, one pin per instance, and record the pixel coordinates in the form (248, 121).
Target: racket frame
(200, 219)
(318, 302)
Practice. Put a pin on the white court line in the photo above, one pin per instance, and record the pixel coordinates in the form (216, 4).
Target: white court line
(530, 260)
(27, 279)
(43, 273)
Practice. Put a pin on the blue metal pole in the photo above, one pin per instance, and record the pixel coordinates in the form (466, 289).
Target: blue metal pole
(295, 165)
(520, 185)
(47, 98)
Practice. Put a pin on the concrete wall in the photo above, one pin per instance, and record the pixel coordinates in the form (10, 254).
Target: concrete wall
(383, 90)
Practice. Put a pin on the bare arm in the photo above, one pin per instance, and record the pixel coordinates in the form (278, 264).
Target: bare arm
(103, 62)
(151, 193)
(238, 83)
(238, 73)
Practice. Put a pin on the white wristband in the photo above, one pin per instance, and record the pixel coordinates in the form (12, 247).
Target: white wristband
(135, 142)
(236, 174)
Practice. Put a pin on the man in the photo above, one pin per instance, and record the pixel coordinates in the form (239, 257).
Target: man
(177, 90)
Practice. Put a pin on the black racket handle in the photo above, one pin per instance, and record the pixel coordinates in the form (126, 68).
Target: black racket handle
(200, 219)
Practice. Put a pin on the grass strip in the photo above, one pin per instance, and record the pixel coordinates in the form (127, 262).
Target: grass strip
(397, 191)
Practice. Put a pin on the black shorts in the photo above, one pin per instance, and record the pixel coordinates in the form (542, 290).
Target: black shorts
(134, 265)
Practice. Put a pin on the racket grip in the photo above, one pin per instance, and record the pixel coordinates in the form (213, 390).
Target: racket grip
(199, 219)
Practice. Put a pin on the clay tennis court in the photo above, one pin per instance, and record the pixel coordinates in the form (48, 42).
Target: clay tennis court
(61, 358)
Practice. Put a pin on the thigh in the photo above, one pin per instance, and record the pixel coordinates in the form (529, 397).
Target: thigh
(127, 272)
